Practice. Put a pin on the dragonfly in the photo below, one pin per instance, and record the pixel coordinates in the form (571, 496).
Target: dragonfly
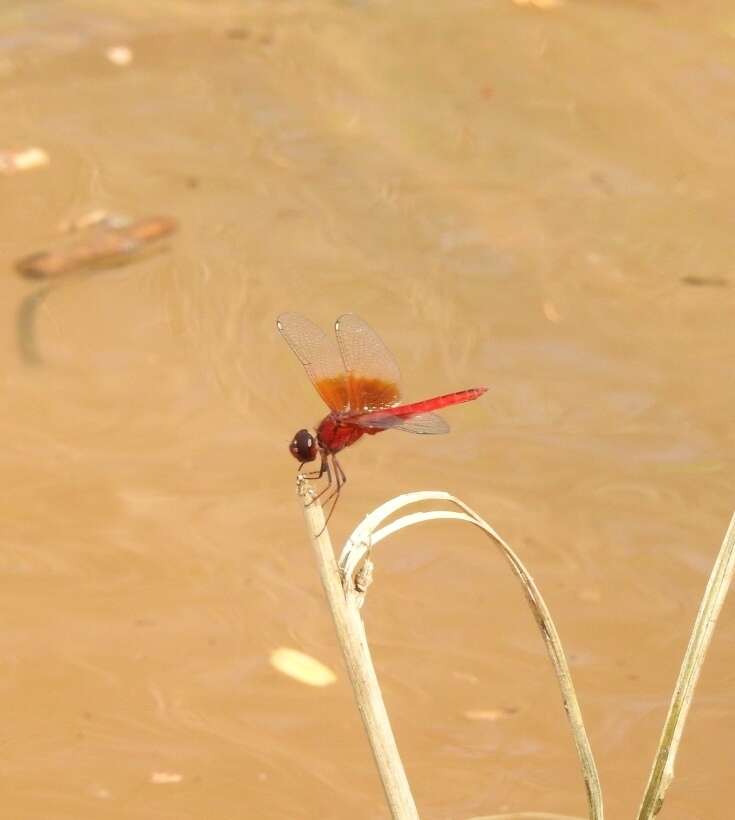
(358, 378)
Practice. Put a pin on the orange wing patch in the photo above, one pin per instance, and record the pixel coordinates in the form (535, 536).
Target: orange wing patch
(334, 392)
(367, 393)
(357, 394)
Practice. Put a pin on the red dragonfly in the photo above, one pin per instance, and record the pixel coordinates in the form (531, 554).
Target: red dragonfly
(358, 379)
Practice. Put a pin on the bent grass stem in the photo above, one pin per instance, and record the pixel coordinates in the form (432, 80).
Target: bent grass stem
(345, 584)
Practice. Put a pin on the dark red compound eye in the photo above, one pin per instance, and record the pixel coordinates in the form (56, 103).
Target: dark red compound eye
(303, 446)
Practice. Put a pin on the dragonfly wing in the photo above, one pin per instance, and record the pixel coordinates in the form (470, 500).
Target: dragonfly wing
(320, 357)
(426, 424)
(373, 377)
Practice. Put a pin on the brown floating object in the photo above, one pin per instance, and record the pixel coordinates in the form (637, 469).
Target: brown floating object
(98, 248)
(705, 281)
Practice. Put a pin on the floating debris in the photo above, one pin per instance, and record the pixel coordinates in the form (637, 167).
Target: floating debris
(24, 159)
(238, 33)
(96, 217)
(103, 247)
(264, 38)
(705, 281)
(166, 777)
(551, 313)
(540, 4)
(301, 667)
(119, 55)
(491, 715)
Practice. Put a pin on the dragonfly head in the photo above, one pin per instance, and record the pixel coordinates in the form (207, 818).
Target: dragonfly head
(304, 446)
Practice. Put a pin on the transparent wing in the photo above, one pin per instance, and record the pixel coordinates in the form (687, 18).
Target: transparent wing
(320, 357)
(427, 424)
(373, 377)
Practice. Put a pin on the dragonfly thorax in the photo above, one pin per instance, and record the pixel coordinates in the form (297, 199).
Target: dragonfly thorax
(335, 432)
(304, 446)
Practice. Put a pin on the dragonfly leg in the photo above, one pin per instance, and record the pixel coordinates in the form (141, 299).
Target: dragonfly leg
(338, 469)
(324, 468)
(339, 481)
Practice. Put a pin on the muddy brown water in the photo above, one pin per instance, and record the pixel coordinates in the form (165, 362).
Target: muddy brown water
(539, 200)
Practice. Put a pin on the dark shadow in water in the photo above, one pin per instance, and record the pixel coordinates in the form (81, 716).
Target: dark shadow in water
(25, 325)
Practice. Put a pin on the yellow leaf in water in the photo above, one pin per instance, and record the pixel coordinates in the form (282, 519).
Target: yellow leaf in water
(22, 160)
(301, 667)
(119, 55)
(166, 777)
